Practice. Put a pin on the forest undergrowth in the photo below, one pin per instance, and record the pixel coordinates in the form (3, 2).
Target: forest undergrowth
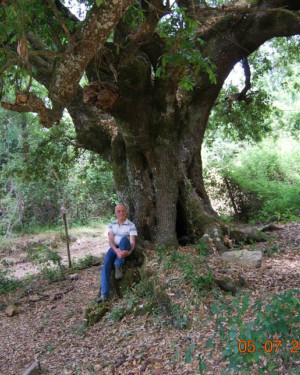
(175, 321)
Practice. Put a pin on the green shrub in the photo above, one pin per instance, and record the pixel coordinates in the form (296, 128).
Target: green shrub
(86, 262)
(268, 172)
(6, 244)
(179, 316)
(145, 289)
(40, 253)
(260, 182)
(7, 283)
(201, 247)
(251, 345)
(53, 274)
(193, 269)
(117, 313)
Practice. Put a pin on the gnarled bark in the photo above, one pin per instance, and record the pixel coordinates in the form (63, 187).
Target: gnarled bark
(157, 150)
(155, 142)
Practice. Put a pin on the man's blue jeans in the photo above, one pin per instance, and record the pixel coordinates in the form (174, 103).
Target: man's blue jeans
(111, 259)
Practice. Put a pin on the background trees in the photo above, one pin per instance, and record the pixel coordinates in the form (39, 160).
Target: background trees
(159, 76)
(42, 170)
(251, 156)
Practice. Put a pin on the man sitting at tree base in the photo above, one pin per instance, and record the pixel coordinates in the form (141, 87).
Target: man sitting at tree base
(121, 237)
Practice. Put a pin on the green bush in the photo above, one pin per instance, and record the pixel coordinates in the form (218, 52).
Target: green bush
(271, 172)
(87, 262)
(52, 274)
(261, 182)
(201, 247)
(250, 344)
(117, 313)
(7, 283)
(145, 289)
(40, 253)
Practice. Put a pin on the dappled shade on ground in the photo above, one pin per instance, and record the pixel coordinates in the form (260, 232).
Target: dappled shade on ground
(53, 330)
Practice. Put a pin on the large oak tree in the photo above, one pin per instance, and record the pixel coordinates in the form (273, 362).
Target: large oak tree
(154, 72)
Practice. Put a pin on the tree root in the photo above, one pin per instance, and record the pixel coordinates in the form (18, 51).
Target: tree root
(221, 238)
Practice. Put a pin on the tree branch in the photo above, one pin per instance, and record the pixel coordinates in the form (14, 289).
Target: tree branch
(41, 58)
(247, 72)
(31, 103)
(59, 18)
(240, 33)
(144, 34)
(87, 41)
(192, 7)
(94, 131)
(38, 45)
(66, 12)
(61, 73)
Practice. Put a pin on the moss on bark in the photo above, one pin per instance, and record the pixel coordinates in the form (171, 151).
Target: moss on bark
(95, 312)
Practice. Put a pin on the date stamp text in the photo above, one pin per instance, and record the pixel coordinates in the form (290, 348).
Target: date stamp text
(269, 346)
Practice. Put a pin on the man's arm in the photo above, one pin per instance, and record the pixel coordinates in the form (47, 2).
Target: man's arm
(126, 253)
(132, 244)
(111, 241)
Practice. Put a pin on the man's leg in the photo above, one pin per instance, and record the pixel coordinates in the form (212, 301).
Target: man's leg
(109, 259)
(123, 245)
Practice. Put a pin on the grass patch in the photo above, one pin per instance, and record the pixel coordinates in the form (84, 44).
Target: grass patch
(41, 253)
(87, 262)
(192, 267)
(7, 283)
(53, 274)
(6, 244)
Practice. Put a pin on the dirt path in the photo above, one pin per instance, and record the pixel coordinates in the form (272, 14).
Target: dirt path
(84, 241)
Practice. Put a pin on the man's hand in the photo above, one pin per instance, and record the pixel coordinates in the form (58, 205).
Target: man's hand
(118, 252)
(123, 253)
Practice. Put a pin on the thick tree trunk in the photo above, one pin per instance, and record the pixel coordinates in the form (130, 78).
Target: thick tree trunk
(162, 200)
(156, 155)
(158, 173)
(156, 150)
(134, 184)
(146, 179)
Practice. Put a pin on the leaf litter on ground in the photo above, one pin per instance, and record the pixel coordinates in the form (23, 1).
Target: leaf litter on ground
(53, 331)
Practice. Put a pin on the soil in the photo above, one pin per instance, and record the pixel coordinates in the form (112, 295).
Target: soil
(83, 242)
(49, 325)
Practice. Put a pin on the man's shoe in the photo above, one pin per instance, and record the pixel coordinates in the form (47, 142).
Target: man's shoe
(103, 298)
(118, 273)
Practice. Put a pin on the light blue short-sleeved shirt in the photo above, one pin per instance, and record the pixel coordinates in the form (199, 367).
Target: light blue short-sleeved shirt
(126, 229)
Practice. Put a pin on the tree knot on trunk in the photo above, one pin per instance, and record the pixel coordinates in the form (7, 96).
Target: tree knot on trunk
(101, 95)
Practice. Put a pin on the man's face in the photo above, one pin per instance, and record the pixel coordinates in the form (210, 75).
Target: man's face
(121, 212)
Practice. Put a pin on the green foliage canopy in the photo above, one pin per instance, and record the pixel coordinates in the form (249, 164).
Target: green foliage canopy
(42, 169)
